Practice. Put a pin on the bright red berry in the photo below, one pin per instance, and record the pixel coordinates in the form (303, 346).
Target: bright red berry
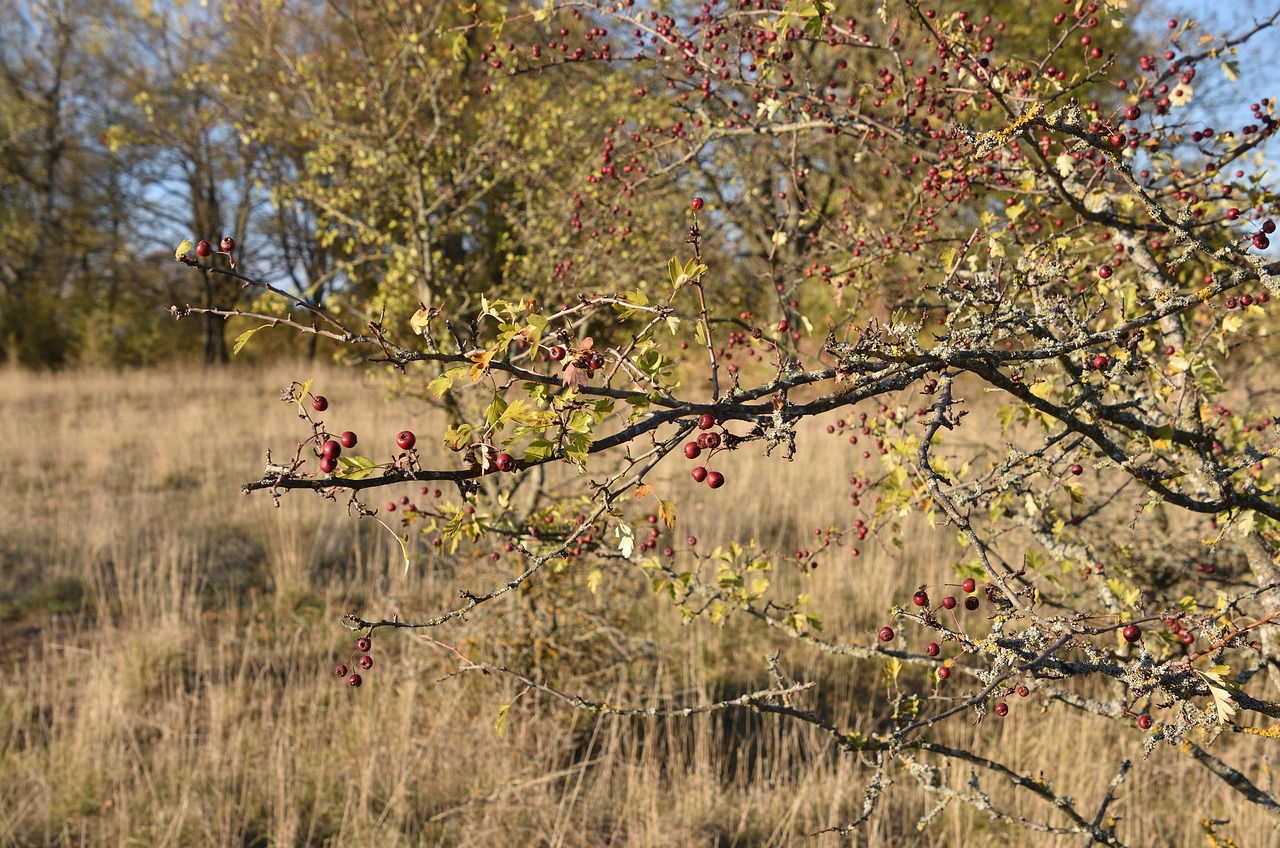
(969, 585)
(354, 680)
(1144, 721)
(1100, 362)
(1104, 271)
(319, 403)
(1133, 113)
(886, 634)
(706, 421)
(715, 479)
(1077, 469)
(405, 439)
(1233, 214)
(348, 439)
(697, 204)
(692, 450)
(948, 602)
(1131, 633)
(712, 440)
(203, 248)
(556, 352)
(699, 474)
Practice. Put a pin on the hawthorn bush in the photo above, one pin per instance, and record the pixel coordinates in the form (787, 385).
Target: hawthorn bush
(890, 221)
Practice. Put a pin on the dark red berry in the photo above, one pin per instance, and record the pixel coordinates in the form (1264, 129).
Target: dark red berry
(699, 474)
(328, 464)
(944, 673)
(366, 662)
(713, 440)
(1002, 709)
(948, 602)
(203, 248)
(1077, 469)
(331, 449)
(1133, 113)
(1233, 214)
(1023, 691)
(932, 649)
(971, 604)
(715, 479)
(920, 599)
(1268, 226)
(341, 670)
(319, 403)
(1144, 721)
(1261, 241)
(969, 585)
(706, 421)
(227, 244)
(692, 450)
(1104, 271)
(1131, 633)
(354, 680)
(697, 204)
(505, 462)
(348, 439)
(405, 439)
(886, 634)
(556, 352)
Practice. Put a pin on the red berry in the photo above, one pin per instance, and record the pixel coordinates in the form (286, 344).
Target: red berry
(354, 680)
(1268, 226)
(1100, 361)
(1131, 633)
(227, 244)
(1077, 469)
(1104, 271)
(969, 585)
(1233, 214)
(1002, 709)
(203, 248)
(1133, 113)
(366, 662)
(328, 464)
(886, 634)
(944, 673)
(692, 450)
(363, 644)
(1023, 691)
(348, 439)
(948, 602)
(331, 449)
(712, 440)
(1261, 241)
(920, 599)
(556, 352)
(341, 670)
(1144, 721)
(706, 421)
(971, 604)
(319, 403)
(932, 649)
(405, 439)
(699, 474)
(391, 506)
(505, 462)
(715, 479)
(697, 204)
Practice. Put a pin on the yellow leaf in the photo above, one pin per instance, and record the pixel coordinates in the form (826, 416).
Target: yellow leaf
(481, 360)
(183, 249)
(1042, 389)
(667, 510)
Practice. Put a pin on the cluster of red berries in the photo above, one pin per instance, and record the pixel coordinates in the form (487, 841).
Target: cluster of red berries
(361, 657)
(204, 250)
(331, 449)
(707, 441)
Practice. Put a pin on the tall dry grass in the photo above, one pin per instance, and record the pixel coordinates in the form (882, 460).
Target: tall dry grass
(170, 643)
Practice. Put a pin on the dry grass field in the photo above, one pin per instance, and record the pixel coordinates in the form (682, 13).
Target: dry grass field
(169, 646)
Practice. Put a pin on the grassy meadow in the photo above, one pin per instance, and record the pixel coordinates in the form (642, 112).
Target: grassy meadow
(169, 646)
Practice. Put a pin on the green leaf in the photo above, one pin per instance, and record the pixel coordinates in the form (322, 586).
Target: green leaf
(183, 249)
(243, 339)
(354, 467)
